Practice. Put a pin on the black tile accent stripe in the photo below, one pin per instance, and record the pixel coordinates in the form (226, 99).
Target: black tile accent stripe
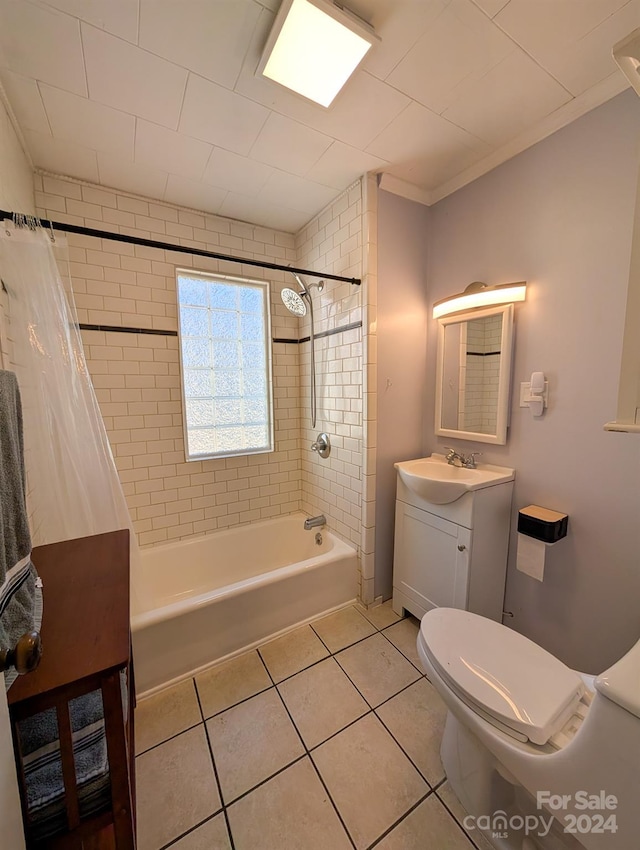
(482, 353)
(331, 332)
(125, 330)
(83, 326)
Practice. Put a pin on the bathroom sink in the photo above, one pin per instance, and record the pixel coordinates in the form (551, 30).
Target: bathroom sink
(438, 482)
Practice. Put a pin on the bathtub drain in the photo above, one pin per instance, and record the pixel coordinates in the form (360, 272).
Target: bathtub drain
(318, 538)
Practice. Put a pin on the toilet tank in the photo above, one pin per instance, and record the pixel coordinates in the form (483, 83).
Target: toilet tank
(621, 683)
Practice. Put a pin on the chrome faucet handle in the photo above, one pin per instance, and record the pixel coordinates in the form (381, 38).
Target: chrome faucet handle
(322, 445)
(470, 460)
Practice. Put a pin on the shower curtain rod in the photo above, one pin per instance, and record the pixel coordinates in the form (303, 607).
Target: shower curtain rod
(168, 246)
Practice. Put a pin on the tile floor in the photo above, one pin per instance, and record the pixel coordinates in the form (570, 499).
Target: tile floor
(327, 737)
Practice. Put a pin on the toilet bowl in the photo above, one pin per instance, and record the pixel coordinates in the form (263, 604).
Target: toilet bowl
(541, 757)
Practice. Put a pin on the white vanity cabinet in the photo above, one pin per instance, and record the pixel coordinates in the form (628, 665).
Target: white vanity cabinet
(452, 555)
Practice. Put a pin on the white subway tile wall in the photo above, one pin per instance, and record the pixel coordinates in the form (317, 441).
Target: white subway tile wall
(479, 389)
(137, 376)
(332, 242)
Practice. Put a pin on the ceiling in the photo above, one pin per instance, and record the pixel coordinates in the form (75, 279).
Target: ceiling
(160, 98)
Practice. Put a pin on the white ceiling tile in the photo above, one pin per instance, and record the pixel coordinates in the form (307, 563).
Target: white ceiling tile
(288, 190)
(427, 174)
(131, 176)
(544, 28)
(84, 122)
(40, 42)
(587, 61)
(211, 39)
(132, 80)
(418, 129)
(286, 144)
(119, 17)
(341, 164)
(421, 145)
(25, 100)
(399, 23)
(362, 109)
(491, 7)
(219, 116)
(508, 99)
(462, 43)
(192, 193)
(273, 5)
(236, 173)
(359, 112)
(62, 157)
(169, 151)
(262, 212)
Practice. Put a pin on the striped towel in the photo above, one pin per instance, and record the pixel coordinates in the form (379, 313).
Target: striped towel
(20, 594)
(42, 764)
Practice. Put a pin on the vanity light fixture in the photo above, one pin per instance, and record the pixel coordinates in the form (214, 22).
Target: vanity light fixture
(478, 294)
(314, 47)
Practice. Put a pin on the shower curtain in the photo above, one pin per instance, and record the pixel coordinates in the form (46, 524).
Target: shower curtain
(73, 489)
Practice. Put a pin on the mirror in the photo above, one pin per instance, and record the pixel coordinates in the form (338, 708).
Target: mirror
(473, 374)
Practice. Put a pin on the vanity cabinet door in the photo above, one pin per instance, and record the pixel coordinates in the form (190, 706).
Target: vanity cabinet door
(431, 561)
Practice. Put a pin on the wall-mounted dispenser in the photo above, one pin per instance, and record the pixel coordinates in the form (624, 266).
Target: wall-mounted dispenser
(535, 393)
(538, 528)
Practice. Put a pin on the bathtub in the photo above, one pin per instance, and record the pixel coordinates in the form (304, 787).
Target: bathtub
(199, 600)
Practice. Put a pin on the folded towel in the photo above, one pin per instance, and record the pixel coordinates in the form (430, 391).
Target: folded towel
(40, 748)
(20, 596)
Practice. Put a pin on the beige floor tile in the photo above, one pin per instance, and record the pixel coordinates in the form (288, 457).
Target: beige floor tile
(292, 652)
(377, 669)
(428, 827)
(292, 811)
(380, 616)
(416, 719)
(176, 788)
(321, 701)
(404, 636)
(212, 835)
(231, 682)
(369, 778)
(251, 742)
(448, 797)
(343, 628)
(166, 714)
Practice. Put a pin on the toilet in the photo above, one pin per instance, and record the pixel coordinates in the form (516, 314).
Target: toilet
(540, 756)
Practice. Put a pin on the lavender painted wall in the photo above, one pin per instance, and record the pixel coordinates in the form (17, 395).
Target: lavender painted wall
(401, 333)
(560, 216)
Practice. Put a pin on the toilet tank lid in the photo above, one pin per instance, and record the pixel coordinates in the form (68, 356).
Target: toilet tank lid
(621, 683)
(502, 672)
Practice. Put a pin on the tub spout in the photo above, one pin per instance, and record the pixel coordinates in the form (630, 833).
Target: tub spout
(314, 522)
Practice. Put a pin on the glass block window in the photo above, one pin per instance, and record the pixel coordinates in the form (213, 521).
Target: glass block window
(225, 357)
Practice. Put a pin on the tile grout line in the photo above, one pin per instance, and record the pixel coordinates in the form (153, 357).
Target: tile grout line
(309, 752)
(400, 819)
(455, 819)
(308, 755)
(215, 769)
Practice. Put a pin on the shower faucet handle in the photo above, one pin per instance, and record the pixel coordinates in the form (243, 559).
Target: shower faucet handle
(322, 445)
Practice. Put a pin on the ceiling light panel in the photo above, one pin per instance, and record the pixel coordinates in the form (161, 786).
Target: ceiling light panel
(314, 47)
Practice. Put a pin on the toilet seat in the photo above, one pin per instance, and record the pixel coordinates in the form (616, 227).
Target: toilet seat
(506, 678)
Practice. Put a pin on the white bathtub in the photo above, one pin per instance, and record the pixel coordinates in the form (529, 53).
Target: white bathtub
(198, 600)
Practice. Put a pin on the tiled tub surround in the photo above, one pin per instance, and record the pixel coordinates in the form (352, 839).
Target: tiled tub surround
(332, 242)
(137, 375)
(325, 739)
(196, 601)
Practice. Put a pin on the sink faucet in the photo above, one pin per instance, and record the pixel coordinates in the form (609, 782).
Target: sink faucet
(459, 459)
(314, 522)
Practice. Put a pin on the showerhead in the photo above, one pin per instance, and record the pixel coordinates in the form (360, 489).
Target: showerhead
(293, 301)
